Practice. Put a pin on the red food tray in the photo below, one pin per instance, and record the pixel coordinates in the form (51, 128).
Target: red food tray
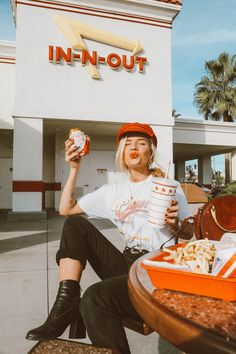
(193, 283)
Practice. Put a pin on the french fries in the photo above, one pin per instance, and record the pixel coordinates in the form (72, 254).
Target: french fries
(197, 255)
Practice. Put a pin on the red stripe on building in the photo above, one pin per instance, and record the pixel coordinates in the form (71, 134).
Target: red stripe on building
(52, 186)
(95, 9)
(96, 15)
(7, 58)
(35, 186)
(6, 62)
(27, 186)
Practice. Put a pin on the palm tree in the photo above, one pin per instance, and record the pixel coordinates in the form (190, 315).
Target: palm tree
(175, 114)
(215, 94)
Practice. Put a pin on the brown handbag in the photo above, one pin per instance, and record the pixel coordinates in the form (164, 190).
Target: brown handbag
(216, 217)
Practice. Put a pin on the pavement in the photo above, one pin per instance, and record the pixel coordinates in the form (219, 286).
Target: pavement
(29, 280)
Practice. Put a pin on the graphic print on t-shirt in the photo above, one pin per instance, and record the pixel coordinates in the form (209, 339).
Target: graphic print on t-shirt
(127, 207)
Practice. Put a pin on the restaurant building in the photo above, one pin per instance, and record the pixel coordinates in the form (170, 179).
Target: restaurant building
(92, 65)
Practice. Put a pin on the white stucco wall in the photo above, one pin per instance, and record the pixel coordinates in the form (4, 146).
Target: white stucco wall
(7, 80)
(204, 132)
(66, 91)
(27, 162)
(28, 149)
(47, 90)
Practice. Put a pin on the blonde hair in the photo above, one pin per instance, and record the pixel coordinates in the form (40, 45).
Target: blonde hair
(120, 161)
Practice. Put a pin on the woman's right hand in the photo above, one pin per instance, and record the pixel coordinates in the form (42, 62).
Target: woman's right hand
(71, 154)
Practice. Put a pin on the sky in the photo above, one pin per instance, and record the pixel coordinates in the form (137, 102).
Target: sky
(202, 30)
(7, 27)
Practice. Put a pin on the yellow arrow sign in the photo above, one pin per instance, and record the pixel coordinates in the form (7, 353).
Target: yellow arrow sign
(75, 30)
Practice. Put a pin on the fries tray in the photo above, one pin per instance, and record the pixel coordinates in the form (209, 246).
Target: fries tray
(193, 283)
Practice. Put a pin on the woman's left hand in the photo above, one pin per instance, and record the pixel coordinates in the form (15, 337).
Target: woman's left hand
(171, 216)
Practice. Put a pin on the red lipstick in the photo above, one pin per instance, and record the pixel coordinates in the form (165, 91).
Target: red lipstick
(133, 155)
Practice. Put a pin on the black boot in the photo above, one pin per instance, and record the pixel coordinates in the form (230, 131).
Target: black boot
(65, 311)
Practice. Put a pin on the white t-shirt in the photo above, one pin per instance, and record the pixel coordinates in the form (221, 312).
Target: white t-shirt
(113, 201)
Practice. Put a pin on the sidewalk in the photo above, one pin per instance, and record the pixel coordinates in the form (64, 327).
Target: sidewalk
(28, 276)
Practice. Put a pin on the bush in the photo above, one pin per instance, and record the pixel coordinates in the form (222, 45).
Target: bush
(229, 188)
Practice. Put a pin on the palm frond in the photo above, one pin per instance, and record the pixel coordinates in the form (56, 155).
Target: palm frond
(215, 94)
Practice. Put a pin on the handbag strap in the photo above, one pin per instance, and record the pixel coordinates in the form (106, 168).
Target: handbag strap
(175, 235)
(213, 213)
(184, 222)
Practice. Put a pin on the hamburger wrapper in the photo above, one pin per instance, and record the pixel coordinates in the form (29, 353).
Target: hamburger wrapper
(224, 264)
(81, 141)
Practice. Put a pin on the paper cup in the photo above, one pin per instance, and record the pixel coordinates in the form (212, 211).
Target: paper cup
(163, 192)
(161, 202)
(156, 208)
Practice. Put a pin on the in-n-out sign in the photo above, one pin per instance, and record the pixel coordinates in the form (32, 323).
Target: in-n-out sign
(115, 61)
(74, 31)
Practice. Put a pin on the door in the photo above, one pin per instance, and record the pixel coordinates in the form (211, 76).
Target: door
(6, 183)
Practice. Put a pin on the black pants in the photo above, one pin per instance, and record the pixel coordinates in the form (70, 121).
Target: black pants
(105, 303)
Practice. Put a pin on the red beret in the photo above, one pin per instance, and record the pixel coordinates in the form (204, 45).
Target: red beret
(136, 128)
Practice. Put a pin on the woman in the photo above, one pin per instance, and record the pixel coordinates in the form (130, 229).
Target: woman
(105, 303)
